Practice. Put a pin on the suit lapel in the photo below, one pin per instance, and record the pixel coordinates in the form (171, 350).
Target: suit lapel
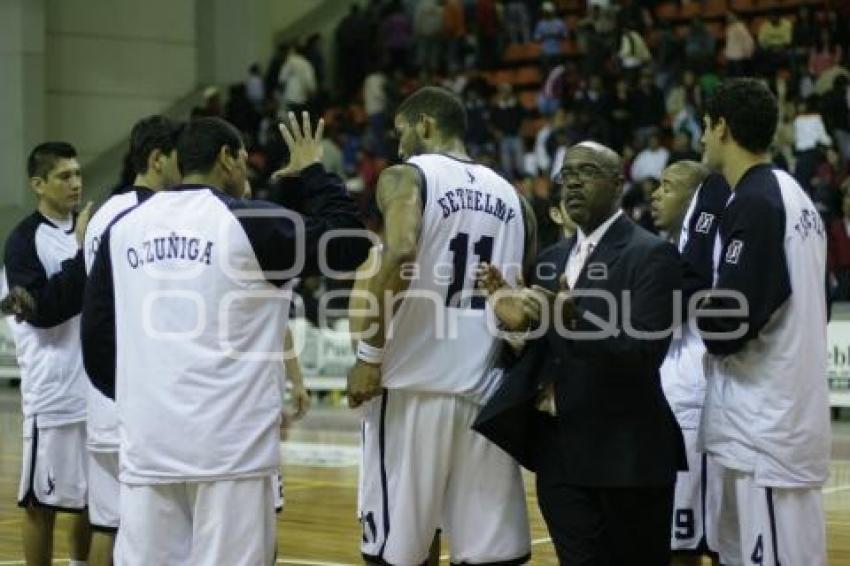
(599, 262)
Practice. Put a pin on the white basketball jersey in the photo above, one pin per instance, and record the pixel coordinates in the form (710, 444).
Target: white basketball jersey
(767, 401)
(440, 339)
(102, 421)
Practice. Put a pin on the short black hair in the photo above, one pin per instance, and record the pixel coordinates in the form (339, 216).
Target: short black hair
(44, 156)
(750, 111)
(153, 132)
(438, 103)
(200, 142)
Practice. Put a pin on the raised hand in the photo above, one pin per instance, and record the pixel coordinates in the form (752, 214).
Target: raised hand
(82, 223)
(305, 147)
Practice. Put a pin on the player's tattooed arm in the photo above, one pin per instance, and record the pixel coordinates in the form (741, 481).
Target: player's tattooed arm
(400, 202)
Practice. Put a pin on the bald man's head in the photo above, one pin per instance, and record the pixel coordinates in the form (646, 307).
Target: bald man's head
(670, 200)
(604, 154)
(592, 183)
(690, 173)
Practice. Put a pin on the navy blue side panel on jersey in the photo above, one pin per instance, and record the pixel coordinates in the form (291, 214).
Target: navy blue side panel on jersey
(97, 326)
(752, 259)
(698, 253)
(58, 298)
(326, 206)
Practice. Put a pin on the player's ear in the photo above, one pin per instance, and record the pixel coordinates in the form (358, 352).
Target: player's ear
(425, 126)
(722, 129)
(555, 215)
(37, 185)
(154, 162)
(225, 159)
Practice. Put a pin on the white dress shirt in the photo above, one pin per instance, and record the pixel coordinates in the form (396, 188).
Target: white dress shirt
(585, 246)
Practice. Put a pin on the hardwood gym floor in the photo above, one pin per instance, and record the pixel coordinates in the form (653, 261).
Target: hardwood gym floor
(319, 526)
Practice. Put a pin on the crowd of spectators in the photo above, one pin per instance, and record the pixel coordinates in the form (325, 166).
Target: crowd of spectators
(633, 74)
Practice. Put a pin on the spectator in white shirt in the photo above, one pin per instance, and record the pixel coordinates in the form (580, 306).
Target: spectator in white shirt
(809, 136)
(650, 162)
(298, 79)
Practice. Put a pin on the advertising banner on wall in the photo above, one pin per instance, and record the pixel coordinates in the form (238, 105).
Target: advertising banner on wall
(838, 365)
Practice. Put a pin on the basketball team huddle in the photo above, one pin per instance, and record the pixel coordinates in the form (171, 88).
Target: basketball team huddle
(668, 392)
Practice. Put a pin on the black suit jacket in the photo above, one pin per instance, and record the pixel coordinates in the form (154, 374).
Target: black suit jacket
(613, 427)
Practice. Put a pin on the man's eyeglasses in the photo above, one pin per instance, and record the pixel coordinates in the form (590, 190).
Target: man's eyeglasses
(584, 172)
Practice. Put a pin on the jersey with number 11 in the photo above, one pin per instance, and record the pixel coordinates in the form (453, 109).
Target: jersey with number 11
(441, 336)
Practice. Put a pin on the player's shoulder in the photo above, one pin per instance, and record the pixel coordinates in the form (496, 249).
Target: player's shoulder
(761, 188)
(24, 231)
(714, 193)
(119, 201)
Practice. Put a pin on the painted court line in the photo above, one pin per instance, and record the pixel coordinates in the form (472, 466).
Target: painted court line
(296, 561)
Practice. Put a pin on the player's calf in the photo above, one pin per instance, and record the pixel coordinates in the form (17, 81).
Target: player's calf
(38, 535)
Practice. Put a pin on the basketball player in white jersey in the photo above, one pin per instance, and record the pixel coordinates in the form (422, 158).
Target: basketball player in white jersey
(425, 377)
(200, 410)
(43, 260)
(674, 206)
(766, 414)
(153, 161)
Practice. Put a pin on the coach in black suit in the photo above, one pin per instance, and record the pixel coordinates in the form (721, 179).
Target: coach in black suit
(606, 456)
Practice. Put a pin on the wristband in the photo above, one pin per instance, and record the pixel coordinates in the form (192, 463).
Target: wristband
(369, 354)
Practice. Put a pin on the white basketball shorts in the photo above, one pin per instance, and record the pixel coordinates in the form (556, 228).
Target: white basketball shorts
(104, 491)
(53, 473)
(770, 525)
(197, 523)
(424, 469)
(697, 503)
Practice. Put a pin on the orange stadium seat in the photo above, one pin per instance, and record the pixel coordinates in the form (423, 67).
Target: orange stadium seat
(715, 8)
(569, 48)
(522, 52)
(528, 99)
(742, 5)
(754, 26)
(667, 11)
(692, 9)
(528, 76)
(501, 76)
(764, 5)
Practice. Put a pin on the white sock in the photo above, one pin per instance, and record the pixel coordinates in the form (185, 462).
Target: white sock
(72, 562)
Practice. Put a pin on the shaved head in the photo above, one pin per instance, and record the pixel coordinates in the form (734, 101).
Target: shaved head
(603, 155)
(670, 200)
(592, 180)
(690, 173)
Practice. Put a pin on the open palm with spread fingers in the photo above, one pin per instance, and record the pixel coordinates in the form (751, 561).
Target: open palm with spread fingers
(305, 146)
